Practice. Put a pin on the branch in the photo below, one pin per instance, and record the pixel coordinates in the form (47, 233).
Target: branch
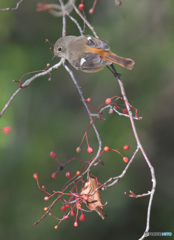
(85, 20)
(56, 9)
(12, 9)
(153, 179)
(116, 179)
(27, 83)
(89, 114)
(63, 18)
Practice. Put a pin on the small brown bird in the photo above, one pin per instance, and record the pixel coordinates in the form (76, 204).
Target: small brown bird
(88, 54)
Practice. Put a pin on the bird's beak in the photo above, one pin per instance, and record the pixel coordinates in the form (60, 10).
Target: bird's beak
(54, 57)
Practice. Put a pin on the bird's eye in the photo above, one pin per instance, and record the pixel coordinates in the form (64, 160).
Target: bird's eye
(59, 49)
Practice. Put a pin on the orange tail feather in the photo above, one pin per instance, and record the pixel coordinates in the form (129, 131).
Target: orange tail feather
(124, 62)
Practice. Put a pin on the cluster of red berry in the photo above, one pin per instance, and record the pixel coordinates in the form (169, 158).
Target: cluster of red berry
(75, 197)
(68, 206)
(82, 6)
(70, 190)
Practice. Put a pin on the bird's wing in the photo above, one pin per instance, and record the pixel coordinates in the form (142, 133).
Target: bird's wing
(97, 43)
(90, 62)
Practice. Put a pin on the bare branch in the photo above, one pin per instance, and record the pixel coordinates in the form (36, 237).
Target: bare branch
(89, 113)
(115, 110)
(116, 179)
(27, 83)
(153, 179)
(63, 18)
(77, 24)
(56, 9)
(85, 20)
(12, 9)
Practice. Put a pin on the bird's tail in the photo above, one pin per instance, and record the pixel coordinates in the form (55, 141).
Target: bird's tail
(124, 62)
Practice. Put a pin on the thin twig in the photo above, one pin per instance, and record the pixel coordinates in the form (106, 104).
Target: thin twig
(12, 9)
(114, 180)
(27, 83)
(85, 20)
(77, 24)
(63, 18)
(115, 110)
(91, 120)
(56, 10)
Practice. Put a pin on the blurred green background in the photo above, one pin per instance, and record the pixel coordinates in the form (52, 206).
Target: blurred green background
(49, 116)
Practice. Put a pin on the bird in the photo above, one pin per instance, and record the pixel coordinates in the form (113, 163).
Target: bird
(88, 54)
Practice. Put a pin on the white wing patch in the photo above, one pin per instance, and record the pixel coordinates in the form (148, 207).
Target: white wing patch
(82, 61)
(89, 38)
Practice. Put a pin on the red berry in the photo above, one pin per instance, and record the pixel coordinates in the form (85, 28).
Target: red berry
(72, 213)
(82, 218)
(53, 154)
(78, 149)
(78, 173)
(46, 198)
(63, 208)
(81, 7)
(75, 224)
(85, 197)
(90, 150)
(6, 130)
(124, 110)
(54, 175)
(67, 205)
(68, 174)
(126, 147)
(88, 99)
(55, 227)
(125, 159)
(106, 149)
(91, 11)
(108, 101)
(35, 176)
